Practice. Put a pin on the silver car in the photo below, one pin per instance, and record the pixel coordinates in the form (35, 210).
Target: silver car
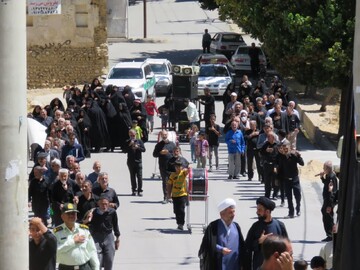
(162, 69)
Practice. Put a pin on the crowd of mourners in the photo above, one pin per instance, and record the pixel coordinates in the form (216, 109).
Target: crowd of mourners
(260, 129)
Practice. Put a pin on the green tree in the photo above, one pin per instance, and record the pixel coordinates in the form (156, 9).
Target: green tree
(310, 40)
(208, 4)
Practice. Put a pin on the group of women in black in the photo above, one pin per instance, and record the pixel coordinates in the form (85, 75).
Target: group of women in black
(101, 117)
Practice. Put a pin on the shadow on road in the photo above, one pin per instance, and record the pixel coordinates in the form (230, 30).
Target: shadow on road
(168, 231)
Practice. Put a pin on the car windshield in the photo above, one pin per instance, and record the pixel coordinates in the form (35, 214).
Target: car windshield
(213, 71)
(232, 38)
(158, 68)
(126, 73)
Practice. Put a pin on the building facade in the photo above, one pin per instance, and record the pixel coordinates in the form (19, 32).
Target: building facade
(67, 48)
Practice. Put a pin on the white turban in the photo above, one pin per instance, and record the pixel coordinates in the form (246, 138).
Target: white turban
(228, 202)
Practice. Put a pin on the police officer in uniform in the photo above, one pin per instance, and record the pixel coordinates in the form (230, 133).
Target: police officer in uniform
(75, 245)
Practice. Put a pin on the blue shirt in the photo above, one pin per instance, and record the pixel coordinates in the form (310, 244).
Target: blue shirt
(239, 145)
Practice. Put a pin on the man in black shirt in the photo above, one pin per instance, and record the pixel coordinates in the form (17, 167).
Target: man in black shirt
(61, 193)
(164, 150)
(206, 40)
(293, 127)
(209, 103)
(134, 149)
(103, 221)
(251, 137)
(269, 152)
(254, 53)
(103, 187)
(289, 172)
(177, 157)
(39, 194)
(330, 182)
(42, 246)
(261, 229)
(213, 133)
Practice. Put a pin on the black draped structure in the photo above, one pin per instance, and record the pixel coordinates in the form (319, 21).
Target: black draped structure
(347, 241)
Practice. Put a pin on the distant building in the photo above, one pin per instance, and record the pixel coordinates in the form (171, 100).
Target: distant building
(70, 47)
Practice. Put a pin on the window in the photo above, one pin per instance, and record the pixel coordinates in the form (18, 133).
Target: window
(158, 68)
(81, 16)
(126, 73)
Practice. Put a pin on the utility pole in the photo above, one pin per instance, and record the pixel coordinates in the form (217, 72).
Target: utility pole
(145, 34)
(356, 79)
(14, 252)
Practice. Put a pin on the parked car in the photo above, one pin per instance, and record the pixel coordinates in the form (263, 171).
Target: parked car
(241, 59)
(162, 69)
(138, 75)
(226, 43)
(216, 77)
(209, 58)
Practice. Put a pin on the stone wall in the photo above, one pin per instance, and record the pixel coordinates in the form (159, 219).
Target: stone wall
(67, 48)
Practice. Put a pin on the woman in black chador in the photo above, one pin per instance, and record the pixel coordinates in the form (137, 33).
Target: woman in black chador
(99, 135)
(84, 124)
(118, 117)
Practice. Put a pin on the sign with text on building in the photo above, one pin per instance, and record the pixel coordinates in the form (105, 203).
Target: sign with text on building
(43, 7)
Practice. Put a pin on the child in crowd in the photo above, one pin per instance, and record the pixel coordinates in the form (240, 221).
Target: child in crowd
(192, 135)
(176, 189)
(151, 108)
(202, 150)
(139, 132)
(164, 116)
(213, 134)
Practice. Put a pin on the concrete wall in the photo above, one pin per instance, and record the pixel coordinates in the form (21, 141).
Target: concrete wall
(67, 48)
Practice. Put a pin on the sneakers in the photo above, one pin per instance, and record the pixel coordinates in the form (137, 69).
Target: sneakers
(180, 227)
(210, 169)
(165, 201)
(298, 213)
(327, 239)
(140, 194)
(230, 177)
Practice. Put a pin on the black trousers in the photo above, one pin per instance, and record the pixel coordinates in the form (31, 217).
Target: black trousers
(268, 177)
(328, 220)
(250, 155)
(293, 186)
(164, 177)
(243, 163)
(135, 169)
(179, 204)
(85, 266)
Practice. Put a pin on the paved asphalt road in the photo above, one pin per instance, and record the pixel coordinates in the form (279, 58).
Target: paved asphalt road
(149, 239)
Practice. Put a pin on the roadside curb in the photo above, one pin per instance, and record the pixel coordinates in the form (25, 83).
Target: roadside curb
(313, 133)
